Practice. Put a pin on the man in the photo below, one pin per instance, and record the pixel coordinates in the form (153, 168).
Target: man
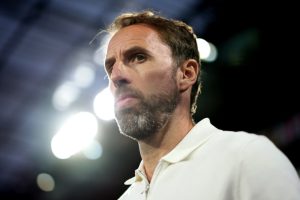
(153, 68)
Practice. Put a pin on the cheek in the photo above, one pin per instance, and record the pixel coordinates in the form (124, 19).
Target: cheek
(160, 80)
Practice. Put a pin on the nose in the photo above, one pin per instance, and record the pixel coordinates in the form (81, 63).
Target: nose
(119, 76)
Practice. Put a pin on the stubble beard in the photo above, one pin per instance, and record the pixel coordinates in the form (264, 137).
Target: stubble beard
(150, 114)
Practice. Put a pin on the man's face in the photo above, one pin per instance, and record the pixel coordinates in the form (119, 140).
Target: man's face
(143, 81)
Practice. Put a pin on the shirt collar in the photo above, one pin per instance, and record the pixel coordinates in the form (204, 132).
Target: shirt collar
(138, 175)
(197, 136)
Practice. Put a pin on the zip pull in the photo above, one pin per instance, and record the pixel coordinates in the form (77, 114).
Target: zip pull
(146, 189)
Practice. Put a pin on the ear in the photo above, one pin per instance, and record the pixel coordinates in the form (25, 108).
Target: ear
(188, 74)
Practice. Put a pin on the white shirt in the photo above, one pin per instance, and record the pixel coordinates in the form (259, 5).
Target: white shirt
(211, 164)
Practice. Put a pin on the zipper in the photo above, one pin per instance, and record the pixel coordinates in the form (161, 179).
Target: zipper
(147, 187)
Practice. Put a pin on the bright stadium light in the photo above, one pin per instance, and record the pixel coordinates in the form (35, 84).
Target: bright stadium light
(208, 51)
(104, 105)
(75, 134)
(65, 95)
(84, 75)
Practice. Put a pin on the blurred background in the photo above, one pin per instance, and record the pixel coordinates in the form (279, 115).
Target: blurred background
(56, 140)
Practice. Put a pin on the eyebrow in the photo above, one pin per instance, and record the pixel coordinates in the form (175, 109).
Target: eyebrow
(136, 49)
(128, 52)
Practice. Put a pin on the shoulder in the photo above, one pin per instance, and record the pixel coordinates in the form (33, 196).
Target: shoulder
(229, 142)
(240, 140)
(263, 170)
(252, 149)
(235, 138)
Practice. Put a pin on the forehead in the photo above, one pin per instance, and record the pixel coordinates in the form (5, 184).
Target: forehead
(138, 34)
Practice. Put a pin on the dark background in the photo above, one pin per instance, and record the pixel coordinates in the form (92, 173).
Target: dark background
(253, 85)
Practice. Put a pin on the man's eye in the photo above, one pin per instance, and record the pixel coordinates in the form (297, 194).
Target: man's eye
(138, 58)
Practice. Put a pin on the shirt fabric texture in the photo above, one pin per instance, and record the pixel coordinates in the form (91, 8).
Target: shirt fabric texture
(212, 164)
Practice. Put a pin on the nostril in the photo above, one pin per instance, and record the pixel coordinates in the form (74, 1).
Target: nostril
(120, 82)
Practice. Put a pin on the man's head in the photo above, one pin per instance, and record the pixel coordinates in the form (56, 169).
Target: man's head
(143, 61)
(176, 34)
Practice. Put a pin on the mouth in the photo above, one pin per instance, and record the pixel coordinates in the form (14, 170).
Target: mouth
(125, 101)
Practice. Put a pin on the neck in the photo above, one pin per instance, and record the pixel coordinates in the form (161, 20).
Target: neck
(161, 143)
